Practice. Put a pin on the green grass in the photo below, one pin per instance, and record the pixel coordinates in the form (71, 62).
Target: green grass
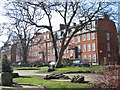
(65, 69)
(73, 69)
(35, 80)
(23, 68)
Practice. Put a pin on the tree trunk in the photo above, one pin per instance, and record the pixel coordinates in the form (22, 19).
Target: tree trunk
(25, 57)
(59, 61)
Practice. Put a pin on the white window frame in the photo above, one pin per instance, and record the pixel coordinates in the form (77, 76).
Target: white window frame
(78, 38)
(93, 47)
(79, 48)
(89, 58)
(88, 36)
(93, 36)
(94, 58)
(84, 57)
(84, 37)
(108, 36)
(45, 37)
(79, 57)
(93, 24)
(109, 55)
(84, 47)
(73, 39)
(89, 47)
(108, 46)
(71, 53)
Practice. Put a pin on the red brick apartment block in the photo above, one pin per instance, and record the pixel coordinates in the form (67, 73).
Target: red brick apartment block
(96, 44)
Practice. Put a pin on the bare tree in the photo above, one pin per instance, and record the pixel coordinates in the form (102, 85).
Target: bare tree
(22, 33)
(69, 11)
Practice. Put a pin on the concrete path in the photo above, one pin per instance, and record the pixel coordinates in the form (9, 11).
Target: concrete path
(91, 77)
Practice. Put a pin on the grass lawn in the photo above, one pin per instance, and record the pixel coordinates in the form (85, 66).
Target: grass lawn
(65, 69)
(35, 80)
(23, 68)
(73, 69)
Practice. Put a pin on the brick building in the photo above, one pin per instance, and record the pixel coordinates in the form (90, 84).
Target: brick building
(96, 44)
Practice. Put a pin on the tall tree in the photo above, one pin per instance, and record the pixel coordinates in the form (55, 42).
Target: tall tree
(21, 32)
(69, 11)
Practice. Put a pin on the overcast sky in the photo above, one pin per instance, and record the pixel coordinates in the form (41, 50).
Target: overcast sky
(4, 19)
(57, 20)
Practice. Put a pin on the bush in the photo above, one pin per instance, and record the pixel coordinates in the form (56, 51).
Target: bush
(6, 65)
(109, 79)
(6, 79)
(68, 62)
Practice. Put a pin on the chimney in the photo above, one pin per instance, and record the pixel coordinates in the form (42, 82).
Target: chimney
(106, 16)
(62, 26)
(74, 24)
(80, 22)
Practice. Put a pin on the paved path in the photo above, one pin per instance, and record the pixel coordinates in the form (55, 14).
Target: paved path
(88, 76)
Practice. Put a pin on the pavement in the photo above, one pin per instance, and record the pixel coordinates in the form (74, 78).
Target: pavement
(23, 87)
(90, 77)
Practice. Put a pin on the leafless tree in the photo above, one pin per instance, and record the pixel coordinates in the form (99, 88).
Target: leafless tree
(33, 13)
(68, 11)
(21, 32)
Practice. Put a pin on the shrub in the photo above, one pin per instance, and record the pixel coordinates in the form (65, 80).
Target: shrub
(6, 79)
(110, 78)
(68, 62)
(6, 65)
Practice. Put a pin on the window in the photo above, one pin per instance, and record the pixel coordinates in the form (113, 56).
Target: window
(57, 43)
(108, 55)
(50, 44)
(108, 46)
(88, 47)
(108, 36)
(88, 36)
(79, 57)
(84, 47)
(93, 36)
(47, 36)
(93, 24)
(44, 37)
(72, 39)
(84, 57)
(78, 37)
(45, 45)
(79, 48)
(84, 37)
(93, 47)
(89, 25)
(71, 53)
(94, 57)
(89, 58)
(67, 50)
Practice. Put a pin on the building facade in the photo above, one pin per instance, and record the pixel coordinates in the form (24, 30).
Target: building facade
(96, 44)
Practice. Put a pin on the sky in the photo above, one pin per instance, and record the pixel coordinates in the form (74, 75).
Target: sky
(4, 19)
